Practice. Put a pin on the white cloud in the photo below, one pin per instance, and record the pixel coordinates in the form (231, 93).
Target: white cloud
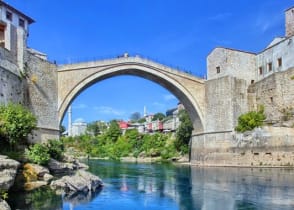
(109, 110)
(265, 21)
(79, 120)
(169, 97)
(80, 106)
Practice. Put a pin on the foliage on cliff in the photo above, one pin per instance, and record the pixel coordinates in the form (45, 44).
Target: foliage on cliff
(184, 132)
(41, 153)
(16, 122)
(250, 120)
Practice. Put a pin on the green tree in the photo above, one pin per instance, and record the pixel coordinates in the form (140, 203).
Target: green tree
(38, 153)
(93, 128)
(250, 120)
(135, 116)
(158, 116)
(184, 132)
(142, 120)
(113, 131)
(16, 122)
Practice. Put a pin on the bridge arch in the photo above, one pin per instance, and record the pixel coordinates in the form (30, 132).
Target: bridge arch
(85, 75)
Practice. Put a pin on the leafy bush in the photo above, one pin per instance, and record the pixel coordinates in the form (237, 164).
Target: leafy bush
(250, 120)
(38, 153)
(55, 149)
(16, 122)
(184, 132)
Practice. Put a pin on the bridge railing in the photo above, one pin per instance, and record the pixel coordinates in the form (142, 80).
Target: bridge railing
(125, 55)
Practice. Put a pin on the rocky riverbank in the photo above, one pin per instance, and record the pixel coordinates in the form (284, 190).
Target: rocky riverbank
(68, 178)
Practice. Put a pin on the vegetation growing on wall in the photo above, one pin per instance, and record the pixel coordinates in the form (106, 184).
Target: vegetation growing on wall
(251, 120)
(16, 122)
(184, 132)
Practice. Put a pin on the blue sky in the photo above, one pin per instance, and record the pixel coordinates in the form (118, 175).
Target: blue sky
(176, 33)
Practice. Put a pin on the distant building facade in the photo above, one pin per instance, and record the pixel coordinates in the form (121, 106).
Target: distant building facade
(78, 128)
(169, 124)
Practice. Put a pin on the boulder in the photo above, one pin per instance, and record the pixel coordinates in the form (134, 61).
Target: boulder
(40, 171)
(4, 205)
(47, 177)
(8, 170)
(81, 182)
(33, 172)
(34, 185)
(57, 167)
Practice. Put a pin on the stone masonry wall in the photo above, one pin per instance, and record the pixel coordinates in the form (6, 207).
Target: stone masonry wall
(289, 23)
(276, 93)
(226, 99)
(11, 87)
(230, 62)
(269, 146)
(41, 96)
(11, 84)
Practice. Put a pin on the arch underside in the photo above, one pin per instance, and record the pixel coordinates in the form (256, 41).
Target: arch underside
(164, 80)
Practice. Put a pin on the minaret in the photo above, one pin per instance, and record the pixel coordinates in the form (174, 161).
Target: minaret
(69, 121)
(145, 111)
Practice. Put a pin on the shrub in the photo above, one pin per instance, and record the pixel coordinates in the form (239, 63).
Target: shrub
(250, 120)
(16, 122)
(184, 132)
(55, 149)
(38, 153)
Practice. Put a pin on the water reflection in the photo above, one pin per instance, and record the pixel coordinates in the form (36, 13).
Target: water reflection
(243, 188)
(165, 186)
(155, 186)
(43, 198)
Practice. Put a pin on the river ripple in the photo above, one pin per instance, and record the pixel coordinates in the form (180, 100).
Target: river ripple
(165, 186)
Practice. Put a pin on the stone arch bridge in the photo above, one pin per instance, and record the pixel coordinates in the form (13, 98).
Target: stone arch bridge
(190, 90)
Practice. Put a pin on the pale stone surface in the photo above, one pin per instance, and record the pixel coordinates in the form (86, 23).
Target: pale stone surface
(8, 170)
(4, 205)
(187, 88)
(81, 182)
(47, 177)
(60, 167)
(39, 170)
(263, 147)
(34, 185)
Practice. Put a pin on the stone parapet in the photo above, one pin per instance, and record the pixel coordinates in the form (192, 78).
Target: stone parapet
(267, 147)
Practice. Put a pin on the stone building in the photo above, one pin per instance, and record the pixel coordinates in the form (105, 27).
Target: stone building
(26, 76)
(240, 81)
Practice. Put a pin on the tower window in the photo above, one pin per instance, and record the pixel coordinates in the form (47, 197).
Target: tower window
(8, 15)
(270, 66)
(260, 70)
(217, 69)
(279, 62)
(21, 22)
(2, 35)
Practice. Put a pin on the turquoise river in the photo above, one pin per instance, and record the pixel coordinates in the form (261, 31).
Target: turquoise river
(131, 186)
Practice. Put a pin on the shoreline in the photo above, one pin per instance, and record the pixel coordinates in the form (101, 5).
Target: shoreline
(184, 162)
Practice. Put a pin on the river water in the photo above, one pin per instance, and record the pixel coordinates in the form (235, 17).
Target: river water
(165, 186)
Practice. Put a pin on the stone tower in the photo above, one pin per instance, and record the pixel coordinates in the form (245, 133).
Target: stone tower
(289, 16)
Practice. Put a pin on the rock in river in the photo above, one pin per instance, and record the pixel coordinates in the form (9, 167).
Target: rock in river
(8, 170)
(81, 182)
